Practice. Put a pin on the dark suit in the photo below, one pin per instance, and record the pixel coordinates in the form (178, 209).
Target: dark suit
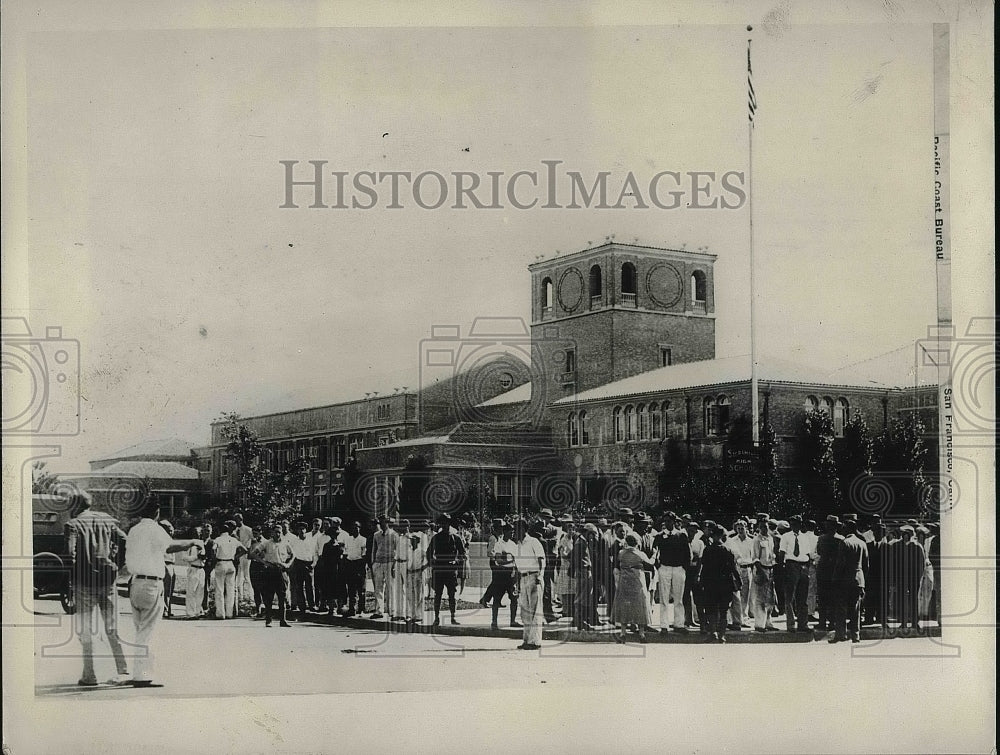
(849, 579)
(876, 587)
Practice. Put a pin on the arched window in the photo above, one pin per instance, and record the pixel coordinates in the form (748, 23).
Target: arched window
(827, 406)
(811, 404)
(664, 414)
(546, 296)
(643, 422)
(716, 415)
(699, 287)
(584, 435)
(629, 289)
(629, 422)
(596, 286)
(573, 430)
(841, 414)
(656, 425)
(619, 425)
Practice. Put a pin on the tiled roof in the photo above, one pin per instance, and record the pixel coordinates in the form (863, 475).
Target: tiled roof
(160, 470)
(170, 447)
(718, 372)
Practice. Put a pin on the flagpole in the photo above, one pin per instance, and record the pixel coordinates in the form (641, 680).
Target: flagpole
(754, 397)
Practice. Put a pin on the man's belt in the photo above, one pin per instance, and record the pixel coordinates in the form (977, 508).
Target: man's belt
(146, 576)
(764, 566)
(220, 560)
(528, 573)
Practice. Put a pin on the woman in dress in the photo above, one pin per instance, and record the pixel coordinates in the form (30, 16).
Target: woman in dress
(926, 589)
(631, 604)
(565, 584)
(718, 579)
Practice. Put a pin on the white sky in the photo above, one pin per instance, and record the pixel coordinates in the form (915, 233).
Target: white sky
(154, 185)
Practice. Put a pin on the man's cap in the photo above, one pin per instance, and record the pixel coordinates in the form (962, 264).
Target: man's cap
(336, 520)
(669, 515)
(875, 518)
(602, 521)
(782, 522)
(568, 518)
(795, 518)
(907, 528)
(850, 518)
(765, 517)
(497, 522)
(912, 522)
(228, 524)
(545, 512)
(686, 517)
(625, 512)
(833, 518)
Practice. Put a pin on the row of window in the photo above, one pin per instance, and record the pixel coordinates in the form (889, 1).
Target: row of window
(629, 287)
(839, 411)
(650, 421)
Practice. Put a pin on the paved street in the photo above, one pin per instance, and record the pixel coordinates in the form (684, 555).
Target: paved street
(260, 688)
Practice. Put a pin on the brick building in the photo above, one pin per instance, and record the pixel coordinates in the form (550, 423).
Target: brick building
(618, 364)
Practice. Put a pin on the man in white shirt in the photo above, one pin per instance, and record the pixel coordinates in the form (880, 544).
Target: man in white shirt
(741, 545)
(145, 547)
(384, 545)
(764, 560)
(275, 556)
(795, 550)
(355, 550)
(304, 552)
(413, 569)
(398, 590)
(243, 533)
(227, 550)
(530, 563)
(194, 590)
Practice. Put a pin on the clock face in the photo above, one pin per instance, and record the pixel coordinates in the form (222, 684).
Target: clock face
(664, 284)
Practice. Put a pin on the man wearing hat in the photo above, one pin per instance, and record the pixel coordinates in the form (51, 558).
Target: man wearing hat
(912, 560)
(673, 554)
(581, 575)
(550, 542)
(445, 554)
(601, 554)
(876, 581)
(413, 576)
(849, 578)
(827, 552)
(794, 551)
(502, 563)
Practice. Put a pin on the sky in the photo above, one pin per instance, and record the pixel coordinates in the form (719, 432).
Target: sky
(156, 239)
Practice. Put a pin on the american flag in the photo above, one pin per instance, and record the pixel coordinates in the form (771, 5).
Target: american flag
(751, 97)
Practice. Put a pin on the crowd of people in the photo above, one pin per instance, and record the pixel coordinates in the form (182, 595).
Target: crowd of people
(596, 573)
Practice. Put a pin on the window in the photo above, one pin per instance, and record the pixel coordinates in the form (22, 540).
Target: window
(655, 422)
(584, 435)
(643, 421)
(339, 453)
(666, 357)
(382, 411)
(525, 490)
(841, 414)
(596, 286)
(619, 425)
(699, 287)
(812, 404)
(323, 454)
(505, 491)
(716, 415)
(573, 429)
(630, 422)
(827, 406)
(629, 285)
(546, 297)
(570, 360)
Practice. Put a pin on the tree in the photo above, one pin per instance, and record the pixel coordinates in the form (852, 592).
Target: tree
(899, 458)
(817, 466)
(854, 454)
(262, 495)
(43, 481)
